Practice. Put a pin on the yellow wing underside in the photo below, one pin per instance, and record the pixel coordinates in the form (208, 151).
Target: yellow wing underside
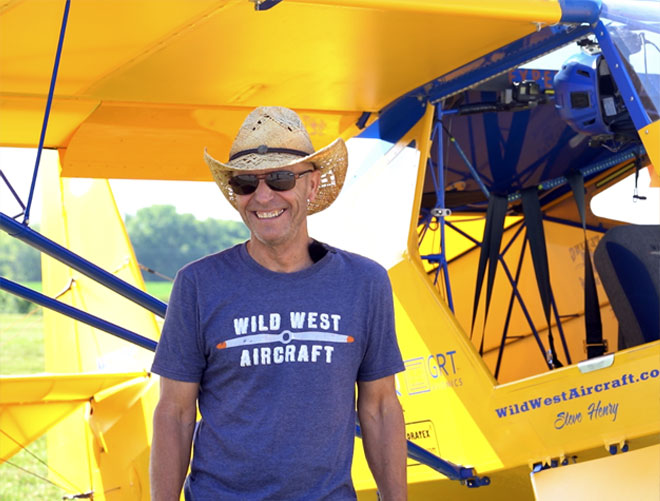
(31, 405)
(144, 86)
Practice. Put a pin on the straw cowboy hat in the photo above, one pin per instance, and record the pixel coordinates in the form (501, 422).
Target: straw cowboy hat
(275, 138)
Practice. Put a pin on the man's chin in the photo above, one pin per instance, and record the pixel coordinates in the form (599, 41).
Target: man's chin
(269, 239)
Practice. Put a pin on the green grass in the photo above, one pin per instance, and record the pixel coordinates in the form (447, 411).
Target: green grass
(161, 290)
(21, 342)
(22, 352)
(17, 485)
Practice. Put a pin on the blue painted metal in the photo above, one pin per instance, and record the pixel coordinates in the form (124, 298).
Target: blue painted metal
(634, 152)
(43, 244)
(49, 102)
(509, 311)
(514, 291)
(580, 11)
(70, 311)
(462, 233)
(469, 165)
(371, 132)
(466, 476)
(433, 258)
(589, 170)
(524, 310)
(512, 281)
(13, 192)
(399, 116)
(501, 60)
(396, 119)
(439, 181)
(623, 80)
(265, 4)
(548, 149)
(560, 328)
(514, 237)
(362, 121)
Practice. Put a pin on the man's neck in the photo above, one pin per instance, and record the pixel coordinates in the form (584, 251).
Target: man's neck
(286, 258)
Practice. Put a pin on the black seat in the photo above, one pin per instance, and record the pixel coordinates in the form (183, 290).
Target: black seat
(628, 261)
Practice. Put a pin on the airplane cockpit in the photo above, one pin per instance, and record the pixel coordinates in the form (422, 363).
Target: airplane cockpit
(510, 159)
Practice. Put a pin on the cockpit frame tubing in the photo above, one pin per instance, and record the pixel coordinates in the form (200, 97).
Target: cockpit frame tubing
(438, 175)
(624, 82)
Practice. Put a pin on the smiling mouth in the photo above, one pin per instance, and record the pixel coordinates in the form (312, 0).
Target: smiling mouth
(268, 215)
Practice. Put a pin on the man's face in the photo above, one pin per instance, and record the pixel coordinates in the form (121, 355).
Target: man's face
(279, 217)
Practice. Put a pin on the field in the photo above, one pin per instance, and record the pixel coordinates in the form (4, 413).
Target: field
(160, 289)
(21, 352)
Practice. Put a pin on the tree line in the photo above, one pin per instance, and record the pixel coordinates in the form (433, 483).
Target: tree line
(163, 241)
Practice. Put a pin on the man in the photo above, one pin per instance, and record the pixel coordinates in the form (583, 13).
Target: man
(270, 337)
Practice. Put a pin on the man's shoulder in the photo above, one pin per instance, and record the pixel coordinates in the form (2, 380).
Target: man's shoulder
(358, 262)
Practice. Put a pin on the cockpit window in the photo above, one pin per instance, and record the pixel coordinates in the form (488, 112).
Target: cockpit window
(636, 34)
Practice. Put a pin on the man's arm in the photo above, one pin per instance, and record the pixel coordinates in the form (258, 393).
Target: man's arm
(383, 436)
(174, 423)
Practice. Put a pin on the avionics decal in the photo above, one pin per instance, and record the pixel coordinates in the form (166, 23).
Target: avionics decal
(423, 434)
(594, 411)
(431, 372)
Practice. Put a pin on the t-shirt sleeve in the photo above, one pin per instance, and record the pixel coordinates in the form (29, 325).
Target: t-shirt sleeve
(382, 356)
(180, 352)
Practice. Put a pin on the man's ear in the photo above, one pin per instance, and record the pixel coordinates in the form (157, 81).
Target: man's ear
(314, 184)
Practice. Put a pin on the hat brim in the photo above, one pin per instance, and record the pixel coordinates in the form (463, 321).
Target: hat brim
(331, 161)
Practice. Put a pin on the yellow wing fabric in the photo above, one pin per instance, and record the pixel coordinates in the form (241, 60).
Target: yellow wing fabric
(91, 445)
(144, 86)
(31, 405)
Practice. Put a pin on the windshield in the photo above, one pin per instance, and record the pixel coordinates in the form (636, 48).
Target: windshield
(634, 27)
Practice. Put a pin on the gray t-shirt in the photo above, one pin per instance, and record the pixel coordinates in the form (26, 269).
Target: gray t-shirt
(277, 356)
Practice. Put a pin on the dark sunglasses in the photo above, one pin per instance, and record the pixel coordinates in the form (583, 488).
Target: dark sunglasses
(281, 180)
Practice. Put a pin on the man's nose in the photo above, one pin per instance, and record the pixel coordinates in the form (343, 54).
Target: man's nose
(263, 193)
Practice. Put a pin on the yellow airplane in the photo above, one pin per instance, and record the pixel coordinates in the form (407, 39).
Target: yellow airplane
(532, 368)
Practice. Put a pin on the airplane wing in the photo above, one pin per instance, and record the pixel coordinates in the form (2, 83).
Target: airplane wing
(143, 86)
